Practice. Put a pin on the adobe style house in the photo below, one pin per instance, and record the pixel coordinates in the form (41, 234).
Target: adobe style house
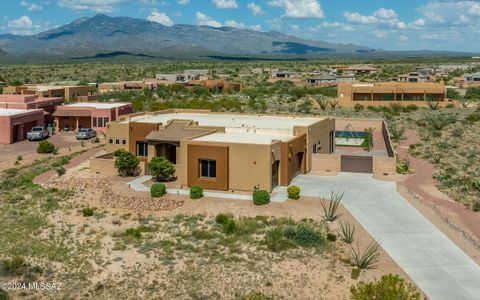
(414, 77)
(15, 123)
(366, 70)
(25, 102)
(385, 93)
(468, 80)
(217, 85)
(224, 151)
(68, 93)
(93, 115)
(329, 80)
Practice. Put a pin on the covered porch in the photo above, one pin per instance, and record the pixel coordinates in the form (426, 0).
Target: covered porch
(72, 120)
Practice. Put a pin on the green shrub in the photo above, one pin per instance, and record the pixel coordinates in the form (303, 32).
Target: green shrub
(60, 170)
(355, 273)
(276, 242)
(331, 237)
(14, 266)
(196, 192)
(230, 226)
(289, 232)
(88, 212)
(221, 219)
(293, 192)
(133, 232)
(388, 287)
(366, 259)
(330, 209)
(162, 168)
(45, 147)
(476, 206)
(358, 107)
(307, 237)
(261, 197)
(126, 163)
(158, 190)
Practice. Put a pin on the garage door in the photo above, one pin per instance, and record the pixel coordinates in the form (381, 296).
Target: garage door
(356, 164)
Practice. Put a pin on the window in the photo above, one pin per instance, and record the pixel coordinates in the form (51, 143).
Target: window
(142, 149)
(124, 142)
(208, 168)
(100, 122)
(314, 148)
(105, 121)
(117, 141)
(110, 141)
(94, 119)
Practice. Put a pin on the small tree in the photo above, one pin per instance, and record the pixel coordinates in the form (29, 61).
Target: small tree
(162, 168)
(126, 163)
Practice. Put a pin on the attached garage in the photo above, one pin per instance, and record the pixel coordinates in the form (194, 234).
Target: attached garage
(357, 164)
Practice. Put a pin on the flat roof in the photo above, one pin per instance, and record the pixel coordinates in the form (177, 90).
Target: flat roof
(12, 112)
(244, 123)
(98, 105)
(243, 138)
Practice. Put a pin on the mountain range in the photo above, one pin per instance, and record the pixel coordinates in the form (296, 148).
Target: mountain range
(104, 37)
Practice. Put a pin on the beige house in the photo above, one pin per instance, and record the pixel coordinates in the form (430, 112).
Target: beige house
(385, 93)
(224, 151)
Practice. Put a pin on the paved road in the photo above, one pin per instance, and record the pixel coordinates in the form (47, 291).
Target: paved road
(435, 264)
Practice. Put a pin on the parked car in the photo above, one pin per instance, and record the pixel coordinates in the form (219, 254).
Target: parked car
(85, 134)
(37, 133)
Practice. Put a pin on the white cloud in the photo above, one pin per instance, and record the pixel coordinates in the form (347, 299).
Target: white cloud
(358, 18)
(100, 6)
(205, 20)
(255, 9)
(25, 26)
(224, 4)
(31, 7)
(384, 13)
(183, 2)
(160, 17)
(382, 18)
(299, 8)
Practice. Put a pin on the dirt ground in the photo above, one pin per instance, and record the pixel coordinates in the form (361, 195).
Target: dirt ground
(291, 275)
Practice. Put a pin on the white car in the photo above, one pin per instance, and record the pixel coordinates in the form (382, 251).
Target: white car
(38, 133)
(85, 134)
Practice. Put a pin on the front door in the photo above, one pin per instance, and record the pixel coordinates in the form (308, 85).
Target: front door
(275, 168)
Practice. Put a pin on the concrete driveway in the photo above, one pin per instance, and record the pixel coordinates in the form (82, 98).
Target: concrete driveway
(439, 268)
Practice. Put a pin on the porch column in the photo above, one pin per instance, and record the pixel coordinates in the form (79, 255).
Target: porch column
(77, 123)
(57, 124)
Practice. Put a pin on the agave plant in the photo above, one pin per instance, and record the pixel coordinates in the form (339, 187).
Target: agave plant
(330, 209)
(347, 232)
(366, 259)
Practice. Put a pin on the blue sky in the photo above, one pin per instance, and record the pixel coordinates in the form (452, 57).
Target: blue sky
(387, 24)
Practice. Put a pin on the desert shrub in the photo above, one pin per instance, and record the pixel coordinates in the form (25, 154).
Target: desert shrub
(388, 287)
(88, 212)
(330, 209)
(14, 266)
(95, 140)
(162, 168)
(307, 237)
(450, 105)
(196, 192)
(410, 108)
(397, 133)
(229, 226)
(331, 237)
(347, 232)
(158, 190)
(374, 108)
(126, 163)
(4, 295)
(358, 107)
(45, 147)
(222, 218)
(60, 170)
(366, 259)
(457, 132)
(473, 117)
(293, 192)
(440, 120)
(355, 273)
(289, 231)
(476, 206)
(261, 197)
(276, 241)
(133, 232)
(321, 101)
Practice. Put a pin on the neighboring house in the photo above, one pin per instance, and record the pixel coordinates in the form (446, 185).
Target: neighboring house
(93, 115)
(414, 77)
(468, 80)
(185, 76)
(329, 80)
(367, 70)
(109, 87)
(48, 105)
(15, 123)
(217, 85)
(385, 93)
(68, 93)
(220, 151)
(284, 74)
